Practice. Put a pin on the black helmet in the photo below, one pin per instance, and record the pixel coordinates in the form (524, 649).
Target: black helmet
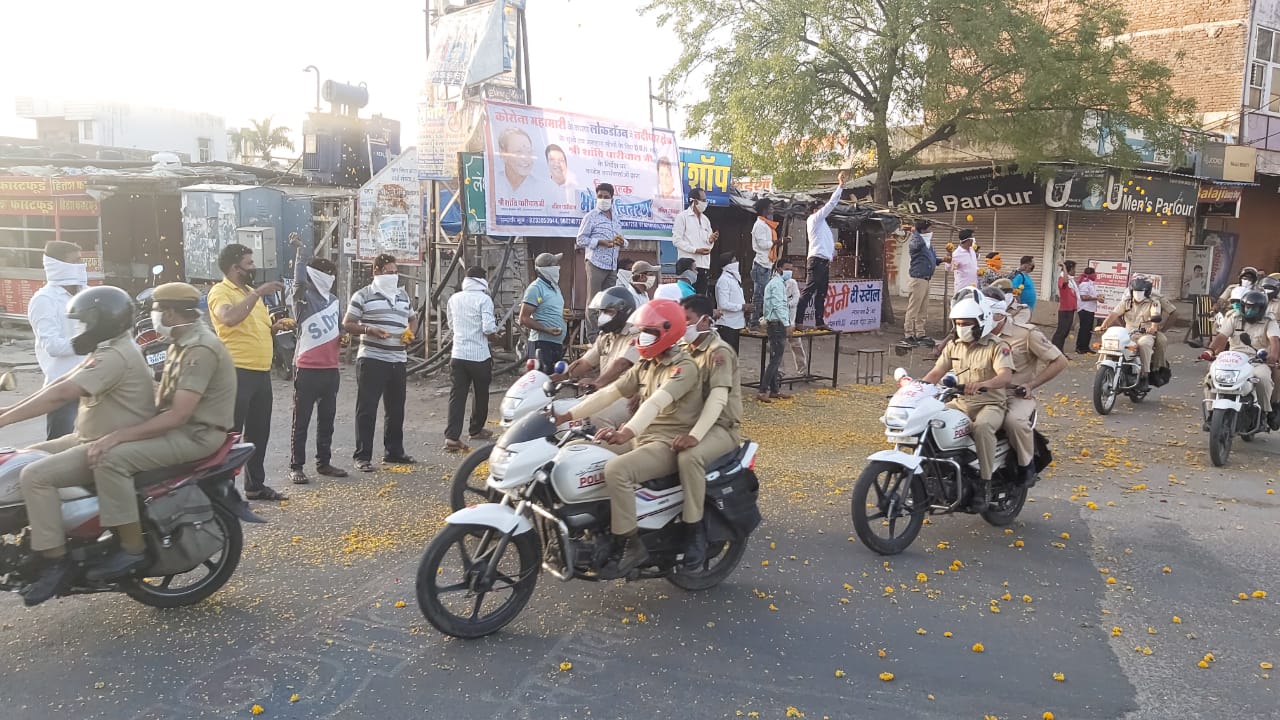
(1141, 284)
(617, 300)
(1271, 287)
(106, 313)
(1255, 306)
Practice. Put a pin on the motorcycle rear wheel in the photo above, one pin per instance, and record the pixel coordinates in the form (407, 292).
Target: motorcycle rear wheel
(1222, 427)
(1104, 390)
(1003, 512)
(474, 546)
(899, 494)
(159, 592)
(722, 559)
(468, 487)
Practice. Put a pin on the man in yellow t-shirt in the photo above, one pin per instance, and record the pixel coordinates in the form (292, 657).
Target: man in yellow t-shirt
(243, 324)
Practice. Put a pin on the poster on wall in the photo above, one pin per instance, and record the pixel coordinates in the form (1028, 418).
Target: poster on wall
(444, 127)
(542, 167)
(1101, 189)
(209, 222)
(852, 306)
(1112, 281)
(390, 217)
(467, 47)
(1197, 267)
(1223, 245)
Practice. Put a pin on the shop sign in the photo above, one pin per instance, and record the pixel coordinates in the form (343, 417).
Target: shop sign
(852, 306)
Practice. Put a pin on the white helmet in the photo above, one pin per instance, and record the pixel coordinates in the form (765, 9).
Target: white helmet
(1238, 292)
(973, 309)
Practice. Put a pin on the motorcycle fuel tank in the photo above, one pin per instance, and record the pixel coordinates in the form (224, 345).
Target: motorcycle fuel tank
(955, 430)
(578, 475)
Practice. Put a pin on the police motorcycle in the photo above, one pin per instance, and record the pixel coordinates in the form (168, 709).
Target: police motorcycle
(526, 395)
(1119, 368)
(1234, 407)
(190, 514)
(553, 515)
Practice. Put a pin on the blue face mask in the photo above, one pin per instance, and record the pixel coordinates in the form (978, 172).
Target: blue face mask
(786, 274)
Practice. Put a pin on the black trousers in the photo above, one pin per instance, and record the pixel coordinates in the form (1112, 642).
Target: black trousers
(815, 290)
(253, 421)
(61, 421)
(469, 376)
(312, 388)
(1065, 318)
(379, 381)
(700, 285)
(1084, 335)
(729, 335)
(772, 380)
(547, 353)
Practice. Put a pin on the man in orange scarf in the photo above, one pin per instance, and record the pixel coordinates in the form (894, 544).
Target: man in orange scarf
(991, 272)
(768, 247)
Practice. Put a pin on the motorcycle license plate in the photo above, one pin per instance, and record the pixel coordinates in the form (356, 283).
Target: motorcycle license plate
(157, 358)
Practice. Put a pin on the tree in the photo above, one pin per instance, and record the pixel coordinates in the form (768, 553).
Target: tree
(237, 143)
(261, 138)
(788, 79)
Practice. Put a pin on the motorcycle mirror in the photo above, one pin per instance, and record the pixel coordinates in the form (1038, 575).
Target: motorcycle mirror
(157, 269)
(1262, 355)
(1244, 338)
(899, 374)
(549, 387)
(949, 380)
(562, 367)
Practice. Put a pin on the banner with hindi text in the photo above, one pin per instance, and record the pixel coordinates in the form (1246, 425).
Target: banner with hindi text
(707, 170)
(852, 306)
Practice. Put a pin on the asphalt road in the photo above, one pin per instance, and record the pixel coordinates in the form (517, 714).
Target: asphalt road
(805, 627)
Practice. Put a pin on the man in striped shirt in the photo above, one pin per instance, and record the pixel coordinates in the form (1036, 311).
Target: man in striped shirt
(382, 315)
(471, 363)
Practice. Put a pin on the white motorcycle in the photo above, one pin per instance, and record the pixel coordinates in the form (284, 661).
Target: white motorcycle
(933, 468)
(478, 573)
(1234, 408)
(1119, 370)
(526, 395)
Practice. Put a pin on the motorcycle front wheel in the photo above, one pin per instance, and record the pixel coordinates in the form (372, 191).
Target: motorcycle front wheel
(468, 487)
(1104, 390)
(202, 581)
(473, 581)
(1222, 427)
(896, 500)
(722, 559)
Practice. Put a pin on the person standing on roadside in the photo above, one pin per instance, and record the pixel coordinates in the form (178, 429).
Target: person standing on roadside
(383, 316)
(767, 245)
(924, 262)
(600, 238)
(776, 317)
(730, 303)
(822, 248)
(542, 312)
(1024, 286)
(964, 262)
(315, 385)
(471, 363)
(1088, 309)
(1068, 302)
(241, 320)
(693, 237)
(64, 275)
(798, 357)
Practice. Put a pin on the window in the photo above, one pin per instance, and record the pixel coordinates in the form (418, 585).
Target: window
(86, 131)
(1264, 72)
(206, 149)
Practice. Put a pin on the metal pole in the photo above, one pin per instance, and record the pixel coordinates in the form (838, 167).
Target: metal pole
(650, 100)
(666, 103)
(524, 43)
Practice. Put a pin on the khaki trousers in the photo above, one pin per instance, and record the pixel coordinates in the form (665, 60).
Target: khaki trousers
(692, 464)
(1158, 351)
(1146, 348)
(917, 302)
(1017, 428)
(651, 458)
(987, 419)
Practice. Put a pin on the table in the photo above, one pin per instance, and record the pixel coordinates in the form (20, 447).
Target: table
(809, 376)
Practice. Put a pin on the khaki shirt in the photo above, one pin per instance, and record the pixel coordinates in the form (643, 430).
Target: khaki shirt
(718, 367)
(1136, 315)
(121, 391)
(1029, 348)
(977, 362)
(1260, 333)
(676, 373)
(199, 362)
(609, 347)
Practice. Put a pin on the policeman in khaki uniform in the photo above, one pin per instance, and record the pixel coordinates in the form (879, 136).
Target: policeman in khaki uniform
(195, 406)
(1151, 313)
(718, 429)
(114, 388)
(667, 383)
(984, 365)
(1262, 333)
(1030, 350)
(613, 351)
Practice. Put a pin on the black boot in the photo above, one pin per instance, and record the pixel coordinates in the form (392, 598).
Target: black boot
(54, 581)
(117, 565)
(1273, 418)
(981, 497)
(1027, 476)
(695, 553)
(634, 554)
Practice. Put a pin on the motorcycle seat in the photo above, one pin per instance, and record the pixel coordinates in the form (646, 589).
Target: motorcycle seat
(170, 472)
(723, 462)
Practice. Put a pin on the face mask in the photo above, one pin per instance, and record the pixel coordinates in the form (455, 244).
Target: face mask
(604, 204)
(927, 237)
(692, 333)
(246, 276)
(387, 284)
(786, 274)
(165, 331)
(649, 282)
(966, 333)
(645, 339)
(551, 274)
(624, 276)
(1138, 296)
(65, 274)
(1246, 284)
(701, 205)
(604, 318)
(322, 281)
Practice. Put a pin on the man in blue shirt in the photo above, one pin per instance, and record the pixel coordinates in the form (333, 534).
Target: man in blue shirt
(777, 317)
(683, 287)
(543, 312)
(600, 237)
(1024, 288)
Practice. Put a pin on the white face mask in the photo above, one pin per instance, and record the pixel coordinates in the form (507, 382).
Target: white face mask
(645, 339)
(322, 281)
(1246, 284)
(1138, 296)
(386, 283)
(786, 274)
(927, 237)
(604, 204)
(624, 277)
(649, 282)
(165, 331)
(65, 274)
(552, 274)
(966, 333)
(701, 205)
(604, 318)
(692, 333)
(732, 269)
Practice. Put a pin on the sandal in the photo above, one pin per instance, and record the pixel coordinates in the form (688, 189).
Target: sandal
(454, 446)
(365, 466)
(266, 493)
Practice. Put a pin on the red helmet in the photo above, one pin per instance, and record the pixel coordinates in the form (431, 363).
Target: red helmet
(660, 324)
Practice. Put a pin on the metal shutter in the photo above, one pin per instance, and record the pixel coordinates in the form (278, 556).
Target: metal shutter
(1012, 232)
(1103, 236)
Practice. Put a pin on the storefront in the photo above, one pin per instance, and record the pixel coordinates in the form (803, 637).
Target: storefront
(33, 212)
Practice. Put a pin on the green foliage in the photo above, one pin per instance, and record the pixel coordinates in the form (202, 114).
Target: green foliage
(261, 138)
(786, 78)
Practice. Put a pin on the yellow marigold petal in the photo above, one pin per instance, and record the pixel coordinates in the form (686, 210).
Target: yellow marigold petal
(566, 666)
(839, 673)
(1259, 594)
(1265, 665)
(1046, 716)
(978, 647)
(921, 631)
(295, 698)
(1059, 677)
(1202, 665)
(256, 710)
(1065, 536)
(946, 634)
(1177, 620)
(1026, 598)
(1111, 581)
(886, 676)
(1116, 632)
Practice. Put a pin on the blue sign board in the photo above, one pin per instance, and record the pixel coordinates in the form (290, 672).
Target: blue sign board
(707, 170)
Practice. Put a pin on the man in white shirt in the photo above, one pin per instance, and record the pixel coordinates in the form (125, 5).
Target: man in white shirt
(638, 277)
(64, 276)
(766, 244)
(730, 302)
(686, 276)
(471, 364)
(1088, 308)
(964, 262)
(693, 237)
(822, 248)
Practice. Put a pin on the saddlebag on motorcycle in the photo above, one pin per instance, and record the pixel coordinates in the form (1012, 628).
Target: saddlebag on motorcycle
(186, 532)
(731, 502)
(1160, 376)
(1043, 455)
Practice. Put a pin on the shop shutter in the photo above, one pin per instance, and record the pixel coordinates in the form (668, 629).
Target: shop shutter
(1102, 236)
(1012, 232)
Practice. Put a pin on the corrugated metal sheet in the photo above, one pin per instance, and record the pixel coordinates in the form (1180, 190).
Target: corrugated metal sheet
(1158, 243)
(1012, 232)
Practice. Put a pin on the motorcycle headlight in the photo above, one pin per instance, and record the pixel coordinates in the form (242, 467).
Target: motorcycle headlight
(1112, 344)
(508, 408)
(895, 418)
(1226, 377)
(499, 460)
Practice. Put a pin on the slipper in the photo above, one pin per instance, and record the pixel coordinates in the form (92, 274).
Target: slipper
(365, 466)
(454, 446)
(267, 494)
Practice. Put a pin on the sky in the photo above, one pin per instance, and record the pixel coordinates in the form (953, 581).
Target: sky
(244, 59)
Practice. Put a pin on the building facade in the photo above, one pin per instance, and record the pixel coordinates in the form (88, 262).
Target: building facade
(200, 136)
